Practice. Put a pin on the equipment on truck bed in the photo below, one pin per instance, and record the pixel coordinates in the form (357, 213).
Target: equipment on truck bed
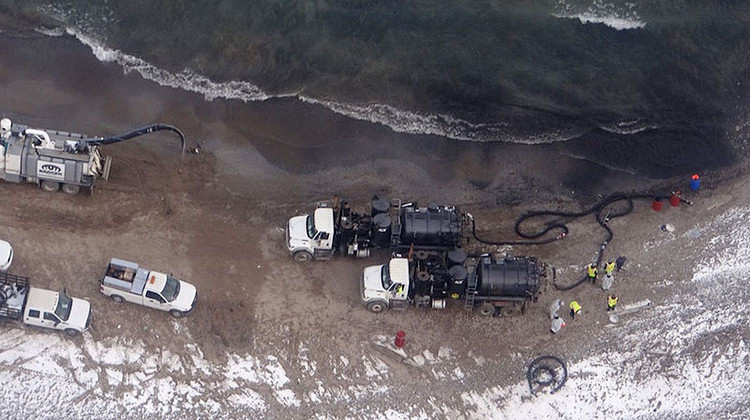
(53, 159)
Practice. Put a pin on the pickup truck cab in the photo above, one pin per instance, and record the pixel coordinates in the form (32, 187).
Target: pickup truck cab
(42, 308)
(125, 281)
(58, 311)
(386, 285)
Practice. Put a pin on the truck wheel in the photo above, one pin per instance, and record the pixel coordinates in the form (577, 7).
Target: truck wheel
(377, 306)
(118, 299)
(50, 186)
(71, 189)
(175, 313)
(302, 256)
(487, 309)
(509, 311)
(71, 332)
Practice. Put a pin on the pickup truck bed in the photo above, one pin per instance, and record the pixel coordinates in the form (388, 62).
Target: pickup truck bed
(125, 275)
(14, 291)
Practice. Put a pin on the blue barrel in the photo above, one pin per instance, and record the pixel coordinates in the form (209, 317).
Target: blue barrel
(695, 184)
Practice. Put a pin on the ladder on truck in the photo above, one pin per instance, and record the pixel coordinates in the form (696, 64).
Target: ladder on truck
(395, 214)
(471, 287)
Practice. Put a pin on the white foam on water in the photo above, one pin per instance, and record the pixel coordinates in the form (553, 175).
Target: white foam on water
(186, 79)
(616, 15)
(51, 32)
(409, 122)
(396, 119)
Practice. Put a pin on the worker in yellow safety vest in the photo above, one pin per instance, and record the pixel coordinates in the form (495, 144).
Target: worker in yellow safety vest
(609, 267)
(612, 302)
(592, 271)
(575, 309)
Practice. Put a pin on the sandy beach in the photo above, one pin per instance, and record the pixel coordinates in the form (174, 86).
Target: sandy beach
(274, 339)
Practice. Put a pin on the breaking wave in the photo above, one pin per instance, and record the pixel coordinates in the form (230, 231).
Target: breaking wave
(629, 127)
(617, 16)
(396, 119)
(186, 79)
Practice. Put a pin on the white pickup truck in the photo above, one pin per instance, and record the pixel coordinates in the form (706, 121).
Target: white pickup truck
(126, 281)
(42, 308)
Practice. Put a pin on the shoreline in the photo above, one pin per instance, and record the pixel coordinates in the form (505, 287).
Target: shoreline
(290, 121)
(298, 138)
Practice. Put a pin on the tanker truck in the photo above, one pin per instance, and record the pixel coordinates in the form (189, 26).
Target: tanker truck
(436, 279)
(390, 224)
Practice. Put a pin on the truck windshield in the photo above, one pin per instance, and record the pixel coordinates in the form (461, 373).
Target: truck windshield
(311, 231)
(385, 276)
(171, 289)
(64, 303)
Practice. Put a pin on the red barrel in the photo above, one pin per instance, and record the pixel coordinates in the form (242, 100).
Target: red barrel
(400, 339)
(674, 201)
(656, 205)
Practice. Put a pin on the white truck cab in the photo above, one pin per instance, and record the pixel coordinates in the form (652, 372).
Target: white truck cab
(125, 281)
(311, 236)
(386, 285)
(58, 311)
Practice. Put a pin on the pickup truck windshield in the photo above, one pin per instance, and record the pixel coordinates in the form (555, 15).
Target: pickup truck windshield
(385, 276)
(64, 304)
(311, 231)
(171, 289)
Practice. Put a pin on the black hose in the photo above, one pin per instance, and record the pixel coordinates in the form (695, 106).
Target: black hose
(597, 209)
(140, 132)
(546, 364)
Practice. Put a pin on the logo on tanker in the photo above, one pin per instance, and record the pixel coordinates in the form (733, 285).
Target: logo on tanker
(50, 170)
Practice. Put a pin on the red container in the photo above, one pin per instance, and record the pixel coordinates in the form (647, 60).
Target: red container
(400, 339)
(656, 205)
(674, 201)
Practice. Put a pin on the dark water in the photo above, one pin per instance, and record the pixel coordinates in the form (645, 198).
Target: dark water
(653, 86)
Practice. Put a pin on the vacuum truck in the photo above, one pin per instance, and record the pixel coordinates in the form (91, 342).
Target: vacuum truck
(56, 159)
(433, 279)
(390, 224)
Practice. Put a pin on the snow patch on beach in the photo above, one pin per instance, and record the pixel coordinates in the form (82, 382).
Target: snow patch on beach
(726, 256)
(616, 15)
